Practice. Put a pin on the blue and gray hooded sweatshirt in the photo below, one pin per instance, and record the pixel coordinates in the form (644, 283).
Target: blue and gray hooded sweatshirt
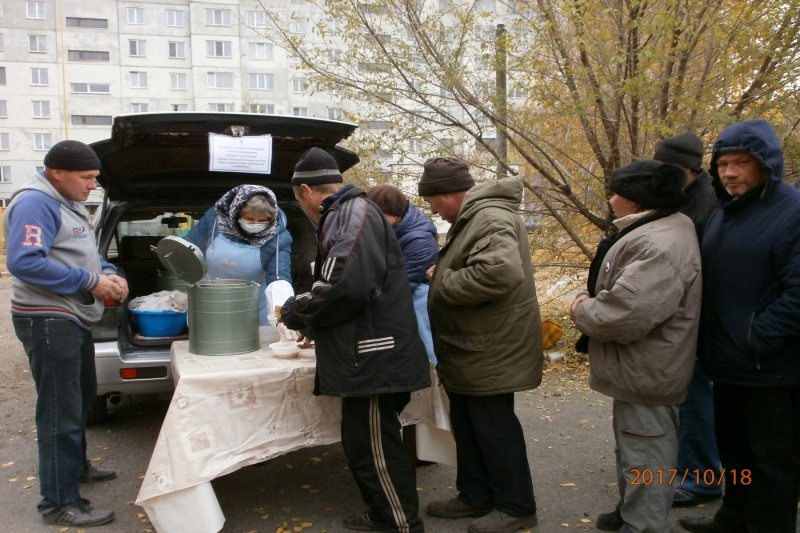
(750, 332)
(53, 256)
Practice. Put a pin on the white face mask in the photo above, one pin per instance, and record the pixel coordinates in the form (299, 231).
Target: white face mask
(252, 228)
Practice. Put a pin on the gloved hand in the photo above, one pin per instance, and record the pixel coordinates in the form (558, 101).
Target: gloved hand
(287, 334)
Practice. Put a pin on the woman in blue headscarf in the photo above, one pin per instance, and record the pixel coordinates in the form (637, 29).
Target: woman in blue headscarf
(244, 236)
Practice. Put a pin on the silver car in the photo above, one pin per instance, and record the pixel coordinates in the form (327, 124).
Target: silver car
(157, 182)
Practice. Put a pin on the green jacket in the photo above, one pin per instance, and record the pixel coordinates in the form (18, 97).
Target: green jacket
(482, 302)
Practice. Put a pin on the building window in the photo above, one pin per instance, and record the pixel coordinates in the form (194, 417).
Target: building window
(177, 50)
(257, 19)
(92, 88)
(485, 6)
(37, 44)
(5, 175)
(76, 22)
(136, 48)
(135, 15)
(333, 56)
(220, 80)
(42, 141)
(299, 85)
(87, 55)
(262, 81)
(4, 108)
(218, 17)
(139, 108)
(2, 43)
(518, 92)
(264, 109)
(335, 113)
(5, 143)
(41, 108)
(2, 75)
(35, 10)
(92, 120)
(223, 108)
(414, 146)
(38, 76)
(218, 48)
(300, 111)
(333, 26)
(297, 25)
(259, 51)
(378, 125)
(176, 18)
(179, 107)
(139, 80)
(177, 80)
(295, 59)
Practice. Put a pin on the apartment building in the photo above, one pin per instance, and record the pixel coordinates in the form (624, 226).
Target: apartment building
(67, 67)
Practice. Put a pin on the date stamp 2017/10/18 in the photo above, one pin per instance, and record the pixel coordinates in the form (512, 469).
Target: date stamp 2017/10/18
(669, 476)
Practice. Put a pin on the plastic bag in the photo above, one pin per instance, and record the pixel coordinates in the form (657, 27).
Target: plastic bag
(277, 293)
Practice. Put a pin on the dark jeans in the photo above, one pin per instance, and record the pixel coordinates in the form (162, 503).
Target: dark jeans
(491, 455)
(758, 435)
(378, 460)
(697, 446)
(61, 357)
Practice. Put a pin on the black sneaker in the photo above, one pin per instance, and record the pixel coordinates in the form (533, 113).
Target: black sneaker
(78, 514)
(363, 522)
(90, 474)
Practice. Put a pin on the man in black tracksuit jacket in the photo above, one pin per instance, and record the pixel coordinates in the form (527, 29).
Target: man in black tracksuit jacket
(360, 315)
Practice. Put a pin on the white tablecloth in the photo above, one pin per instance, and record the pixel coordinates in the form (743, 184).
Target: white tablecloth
(232, 411)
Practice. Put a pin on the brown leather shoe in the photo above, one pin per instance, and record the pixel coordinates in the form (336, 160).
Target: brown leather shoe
(455, 508)
(500, 522)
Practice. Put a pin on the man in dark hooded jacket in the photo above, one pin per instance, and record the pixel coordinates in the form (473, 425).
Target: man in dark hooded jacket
(750, 333)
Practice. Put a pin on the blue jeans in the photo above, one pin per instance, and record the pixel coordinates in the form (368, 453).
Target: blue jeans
(61, 357)
(697, 444)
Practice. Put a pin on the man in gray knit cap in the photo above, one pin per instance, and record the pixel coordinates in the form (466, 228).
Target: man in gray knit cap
(697, 446)
(485, 321)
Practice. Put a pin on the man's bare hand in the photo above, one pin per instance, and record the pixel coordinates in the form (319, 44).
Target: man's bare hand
(112, 286)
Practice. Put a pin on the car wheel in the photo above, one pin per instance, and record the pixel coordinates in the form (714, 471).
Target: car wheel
(99, 411)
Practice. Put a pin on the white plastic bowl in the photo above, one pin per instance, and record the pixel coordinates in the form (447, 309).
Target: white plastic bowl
(285, 349)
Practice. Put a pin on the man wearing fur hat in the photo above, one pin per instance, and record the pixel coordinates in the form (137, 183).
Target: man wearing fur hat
(751, 333)
(641, 313)
(58, 289)
(487, 338)
(697, 446)
(361, 317)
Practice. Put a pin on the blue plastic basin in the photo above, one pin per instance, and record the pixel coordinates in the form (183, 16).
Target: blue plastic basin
(159, 323)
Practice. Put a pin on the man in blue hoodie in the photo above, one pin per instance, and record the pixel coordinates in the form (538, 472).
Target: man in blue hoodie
(750, 333)
(59, 287)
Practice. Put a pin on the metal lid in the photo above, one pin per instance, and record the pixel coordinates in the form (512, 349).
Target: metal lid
(182, 258)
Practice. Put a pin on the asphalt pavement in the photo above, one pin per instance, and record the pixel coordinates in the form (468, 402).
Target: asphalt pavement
(567, 426)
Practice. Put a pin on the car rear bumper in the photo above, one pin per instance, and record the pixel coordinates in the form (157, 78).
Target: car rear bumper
(111, 366)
